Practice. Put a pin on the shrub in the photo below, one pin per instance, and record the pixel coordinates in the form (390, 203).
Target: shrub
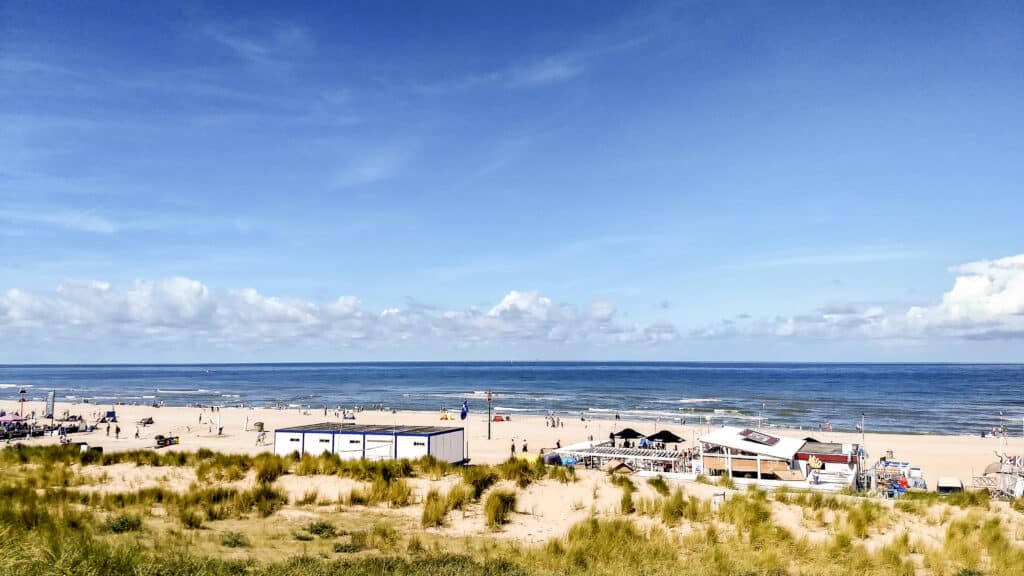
(498, 506)
(564, 474)
(479, 478)
(303, 537)
(123, 523)
(674, 508)
(190, 519)
(322, 529)
(626, 505)
(659, 485)
(269, 468)
(726, 481)
(310, 497)
(234, 540)
(432, 467)
(521, 472)
(746, 511)
(435, 508)
(459, 496)
(347, 547)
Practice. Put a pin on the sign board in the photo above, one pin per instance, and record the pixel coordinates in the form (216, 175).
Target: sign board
(759, 437)
(50, 396)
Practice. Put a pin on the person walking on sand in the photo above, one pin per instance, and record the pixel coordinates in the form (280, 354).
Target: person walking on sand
(117, 432)
(524, 445)
(108, 428)
(136, 432)
(513, 448)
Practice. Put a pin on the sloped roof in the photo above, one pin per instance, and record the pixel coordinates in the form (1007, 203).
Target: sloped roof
(666, 436)
(628, 434)
(729, 436)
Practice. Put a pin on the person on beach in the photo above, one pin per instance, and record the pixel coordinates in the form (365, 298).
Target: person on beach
(524, 445)
(117, 432)
(108, 429)
(513, 448)
(136, 432)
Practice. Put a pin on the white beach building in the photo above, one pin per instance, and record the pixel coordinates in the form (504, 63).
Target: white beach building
(750, 456)
(373, 442)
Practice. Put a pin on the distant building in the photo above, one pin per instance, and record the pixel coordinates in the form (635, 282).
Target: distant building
(372, 442)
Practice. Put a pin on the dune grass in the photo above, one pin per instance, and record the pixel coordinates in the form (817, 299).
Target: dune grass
(49, 524)
(499, 504)
(659, 485)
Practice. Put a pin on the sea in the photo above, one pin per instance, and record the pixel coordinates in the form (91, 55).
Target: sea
(915, 398)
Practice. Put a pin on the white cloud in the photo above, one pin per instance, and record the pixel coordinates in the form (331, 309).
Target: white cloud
(547, 71)
(264, 47)
(79, 220)
(986, 302)
(183, 309)
(371, 166)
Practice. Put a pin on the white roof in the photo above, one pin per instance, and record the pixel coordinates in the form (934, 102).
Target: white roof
(729, 436)
(950, 482)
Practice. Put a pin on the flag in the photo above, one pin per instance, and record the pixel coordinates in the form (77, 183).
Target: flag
(465, 410)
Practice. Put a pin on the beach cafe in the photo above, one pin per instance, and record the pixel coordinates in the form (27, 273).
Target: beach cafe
(773, 461)
(631, 450)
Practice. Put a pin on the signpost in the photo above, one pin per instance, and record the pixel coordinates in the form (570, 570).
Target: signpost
(489, 398)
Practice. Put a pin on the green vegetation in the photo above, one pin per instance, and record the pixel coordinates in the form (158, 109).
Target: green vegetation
(480, 478)
(435, 508)
(123, 523)
(626, 504)
(396, 493)
(51, 522)
(322, 529)
(234, 540)
(499, 504)
(659, 485)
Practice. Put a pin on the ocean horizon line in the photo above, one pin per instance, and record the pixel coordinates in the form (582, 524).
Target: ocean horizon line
(506, 362)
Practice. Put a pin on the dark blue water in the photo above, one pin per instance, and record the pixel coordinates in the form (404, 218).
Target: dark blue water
(946, 398)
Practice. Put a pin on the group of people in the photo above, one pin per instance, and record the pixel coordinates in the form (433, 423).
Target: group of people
(525, 447)
(552, 421)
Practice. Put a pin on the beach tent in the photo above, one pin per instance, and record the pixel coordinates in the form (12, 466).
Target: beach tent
(111, 416)
(10, 418)
(552, 459)
(665, 437)
(628, 434)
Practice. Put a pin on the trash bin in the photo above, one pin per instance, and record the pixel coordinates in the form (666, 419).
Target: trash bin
(258, 426)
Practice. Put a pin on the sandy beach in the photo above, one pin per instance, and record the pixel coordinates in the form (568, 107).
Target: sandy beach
(936, 455)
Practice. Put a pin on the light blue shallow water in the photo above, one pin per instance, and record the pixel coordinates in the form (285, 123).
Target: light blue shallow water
(946, 398)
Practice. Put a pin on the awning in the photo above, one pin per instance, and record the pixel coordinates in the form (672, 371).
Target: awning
(666, 437)
(628, 434)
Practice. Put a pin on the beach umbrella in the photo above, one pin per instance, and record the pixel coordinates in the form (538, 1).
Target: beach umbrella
(665, 437)
(628, 434)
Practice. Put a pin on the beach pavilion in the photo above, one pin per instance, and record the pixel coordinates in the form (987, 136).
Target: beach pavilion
(602, 455)
(731, 451)
(778, 460)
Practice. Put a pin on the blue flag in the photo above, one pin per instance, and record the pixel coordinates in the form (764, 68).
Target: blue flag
(465, 410)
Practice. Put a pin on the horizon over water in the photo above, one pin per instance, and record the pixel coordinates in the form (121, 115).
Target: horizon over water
(948, 398)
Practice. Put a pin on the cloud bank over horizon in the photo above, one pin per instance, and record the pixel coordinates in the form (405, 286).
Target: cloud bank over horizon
(167, 311)
(986, 302)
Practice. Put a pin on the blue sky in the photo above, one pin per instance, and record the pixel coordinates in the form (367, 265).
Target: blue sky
(720, 181)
